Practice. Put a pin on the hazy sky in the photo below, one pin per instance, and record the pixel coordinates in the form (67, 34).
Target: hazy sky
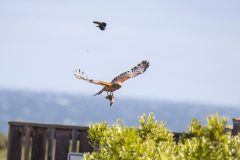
(193, 47)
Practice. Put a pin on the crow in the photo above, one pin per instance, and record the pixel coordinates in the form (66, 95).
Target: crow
(101, 25)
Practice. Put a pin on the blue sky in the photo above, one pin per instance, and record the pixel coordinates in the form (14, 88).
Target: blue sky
(193, 47)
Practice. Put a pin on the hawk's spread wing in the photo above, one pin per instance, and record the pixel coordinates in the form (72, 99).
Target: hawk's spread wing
(139, 69)
(81, 76)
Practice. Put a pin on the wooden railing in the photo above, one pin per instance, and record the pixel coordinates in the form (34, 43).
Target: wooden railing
(34, 141)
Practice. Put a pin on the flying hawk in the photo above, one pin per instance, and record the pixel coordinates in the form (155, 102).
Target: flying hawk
(117, 82)
(101, 25)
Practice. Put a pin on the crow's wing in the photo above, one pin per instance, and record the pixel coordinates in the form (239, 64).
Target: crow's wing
(96, 22)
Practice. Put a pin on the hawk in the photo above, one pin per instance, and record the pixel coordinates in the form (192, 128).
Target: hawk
(101, 25)
(117, 82)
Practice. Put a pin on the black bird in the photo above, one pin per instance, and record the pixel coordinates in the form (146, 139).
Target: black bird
(101, 25)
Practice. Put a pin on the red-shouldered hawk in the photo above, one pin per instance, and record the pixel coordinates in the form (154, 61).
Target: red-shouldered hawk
(117, 82)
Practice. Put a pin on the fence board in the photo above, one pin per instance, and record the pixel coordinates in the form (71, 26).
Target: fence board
(15, 139)
(74, 140)
(27, 132)
(236, 126)
(51, 132)
(62, 144)
(38, 143)
(84, 143)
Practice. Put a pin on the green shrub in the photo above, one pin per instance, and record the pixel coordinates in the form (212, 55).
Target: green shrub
(210, 141)
(151, 140)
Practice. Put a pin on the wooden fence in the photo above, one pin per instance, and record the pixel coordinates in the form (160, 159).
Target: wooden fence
(34, 141)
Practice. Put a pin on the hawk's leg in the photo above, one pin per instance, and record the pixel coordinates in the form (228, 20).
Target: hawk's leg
(109, 95)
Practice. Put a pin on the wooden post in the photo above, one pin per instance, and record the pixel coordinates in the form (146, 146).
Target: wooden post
(38, 144)
(51, 132)
(62, 144)
(236, 126)
(14, 143)
(84, 142)
(74, 140)
(27, 132)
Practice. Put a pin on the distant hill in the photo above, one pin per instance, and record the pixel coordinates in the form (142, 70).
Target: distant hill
(83, 110)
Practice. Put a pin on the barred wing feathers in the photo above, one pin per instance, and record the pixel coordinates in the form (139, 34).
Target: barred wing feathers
(139, 69)
(81, 76)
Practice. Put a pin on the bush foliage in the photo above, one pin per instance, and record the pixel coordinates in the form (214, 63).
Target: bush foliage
(151, 140)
